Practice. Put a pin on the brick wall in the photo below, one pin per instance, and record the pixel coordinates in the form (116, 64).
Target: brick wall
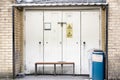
(103, 30)
(6, 63)
(5, 38)
(114, 40)
(18, 20)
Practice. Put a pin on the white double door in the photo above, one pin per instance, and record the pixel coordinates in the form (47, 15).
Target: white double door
(53, 36)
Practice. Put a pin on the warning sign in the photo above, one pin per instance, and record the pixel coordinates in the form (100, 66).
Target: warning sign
(69, 32)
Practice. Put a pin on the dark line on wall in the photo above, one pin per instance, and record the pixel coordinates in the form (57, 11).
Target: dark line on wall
(106, 42)
(43, 39)
(80, 41)
(13, 42)
(61, 25)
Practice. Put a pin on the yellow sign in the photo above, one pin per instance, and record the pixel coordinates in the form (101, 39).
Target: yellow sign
(69, 31)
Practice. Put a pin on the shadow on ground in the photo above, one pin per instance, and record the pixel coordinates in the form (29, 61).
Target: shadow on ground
(54, 78)
(42, 77)
(50, 77)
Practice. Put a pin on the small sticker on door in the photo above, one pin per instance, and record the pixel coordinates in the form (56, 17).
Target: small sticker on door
(47, 26)
(69, 32)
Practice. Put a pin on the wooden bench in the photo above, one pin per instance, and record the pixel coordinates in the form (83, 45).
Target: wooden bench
(54, 63)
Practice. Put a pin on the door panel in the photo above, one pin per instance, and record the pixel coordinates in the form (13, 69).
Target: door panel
(52, 38)
(90, 37)
(71, 40)
(34, 35)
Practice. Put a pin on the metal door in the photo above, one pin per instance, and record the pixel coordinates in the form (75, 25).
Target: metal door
(33, 39)
(66, 36)
(52, 38)
(71, 40)
(90, 37)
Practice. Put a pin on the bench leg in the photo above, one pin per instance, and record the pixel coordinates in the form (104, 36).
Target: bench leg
(73, 69)
(54, 69)
(35, 69)
(62, 68)
(43, 68)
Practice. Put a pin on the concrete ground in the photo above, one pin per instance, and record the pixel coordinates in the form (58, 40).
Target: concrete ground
(54, 78)
(51, 77)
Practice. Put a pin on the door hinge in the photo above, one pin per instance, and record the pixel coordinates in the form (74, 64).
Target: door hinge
(24, 42)
(99, 16)
(25, 67)
(25, 17)
(99, 43)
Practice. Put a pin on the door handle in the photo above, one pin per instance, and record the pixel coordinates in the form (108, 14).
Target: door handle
(60, 42)
(84, 42)
(40, 42)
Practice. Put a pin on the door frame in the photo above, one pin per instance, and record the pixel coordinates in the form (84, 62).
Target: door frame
(60, 9)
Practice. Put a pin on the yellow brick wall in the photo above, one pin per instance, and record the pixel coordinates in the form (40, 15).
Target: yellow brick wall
(6, 38)
(114, 40)
(18, 20)
(103, 13)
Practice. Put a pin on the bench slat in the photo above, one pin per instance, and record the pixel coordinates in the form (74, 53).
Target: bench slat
(54, 63)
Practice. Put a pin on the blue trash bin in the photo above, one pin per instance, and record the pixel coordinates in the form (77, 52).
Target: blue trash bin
(98, 62)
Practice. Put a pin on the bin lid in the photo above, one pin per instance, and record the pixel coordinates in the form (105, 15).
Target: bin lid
(98, 50)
